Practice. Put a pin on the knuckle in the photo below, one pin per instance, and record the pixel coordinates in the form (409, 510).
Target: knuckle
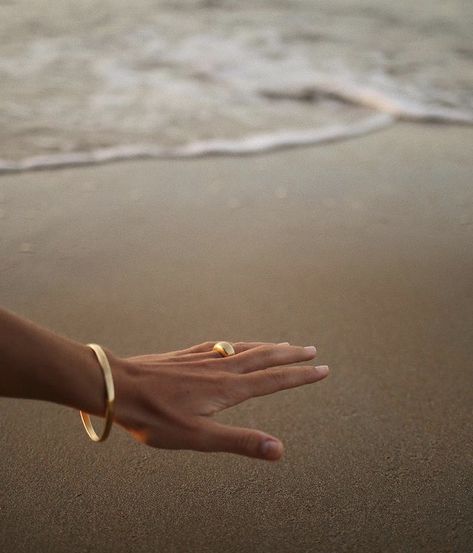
(194, 349)
(220, 383)
(232, 386)
(196, 431)
(200, 347)
(217, 362)
(247, 442)
(308, 375)
(226, 361)
(203, 346)
(268, 349)
(237, 389)
(267, 352)
(196, 436)
(206, 364)
(245, 345)
(280, 378)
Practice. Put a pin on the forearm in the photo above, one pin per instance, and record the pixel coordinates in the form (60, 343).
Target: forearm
(36, 363)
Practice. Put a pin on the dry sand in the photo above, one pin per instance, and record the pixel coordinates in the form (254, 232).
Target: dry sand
(363, 248)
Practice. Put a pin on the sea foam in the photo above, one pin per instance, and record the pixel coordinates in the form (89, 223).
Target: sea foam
(189, 78)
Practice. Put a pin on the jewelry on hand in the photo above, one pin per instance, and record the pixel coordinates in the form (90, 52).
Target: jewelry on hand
(224, 348)
(110, 393)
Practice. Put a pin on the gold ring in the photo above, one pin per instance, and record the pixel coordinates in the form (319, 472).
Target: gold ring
(224, 348)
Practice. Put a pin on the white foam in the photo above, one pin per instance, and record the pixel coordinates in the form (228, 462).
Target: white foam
(397, 105)
(249, 145)
(185, 79)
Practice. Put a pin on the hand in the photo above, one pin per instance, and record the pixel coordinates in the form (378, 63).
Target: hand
(167, 400)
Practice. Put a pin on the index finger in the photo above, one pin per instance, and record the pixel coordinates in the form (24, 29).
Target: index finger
(267, 382)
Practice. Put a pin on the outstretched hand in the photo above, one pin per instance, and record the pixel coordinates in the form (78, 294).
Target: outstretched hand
(167, 400)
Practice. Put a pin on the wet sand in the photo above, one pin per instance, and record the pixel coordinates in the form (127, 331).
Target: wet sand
(363, 248)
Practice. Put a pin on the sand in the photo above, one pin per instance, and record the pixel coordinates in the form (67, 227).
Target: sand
(363, 248)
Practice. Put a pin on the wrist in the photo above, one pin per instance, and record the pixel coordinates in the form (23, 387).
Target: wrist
(122, 373)
(94, 401)
(77, 380)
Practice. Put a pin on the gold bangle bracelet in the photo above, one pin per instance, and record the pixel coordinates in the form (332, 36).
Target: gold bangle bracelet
(110, 393)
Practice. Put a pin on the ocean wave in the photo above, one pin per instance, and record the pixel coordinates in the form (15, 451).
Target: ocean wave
(84, 84)
(401, 108)
(250, 145)
(390, 109)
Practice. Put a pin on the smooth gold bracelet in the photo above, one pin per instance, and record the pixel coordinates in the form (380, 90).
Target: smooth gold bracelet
(110, 393)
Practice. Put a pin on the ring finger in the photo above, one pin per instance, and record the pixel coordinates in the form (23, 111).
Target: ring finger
(239, 347)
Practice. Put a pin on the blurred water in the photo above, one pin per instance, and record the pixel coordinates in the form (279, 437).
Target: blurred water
(88, 81)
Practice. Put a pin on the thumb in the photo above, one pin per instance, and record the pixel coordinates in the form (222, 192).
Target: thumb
(243, 441)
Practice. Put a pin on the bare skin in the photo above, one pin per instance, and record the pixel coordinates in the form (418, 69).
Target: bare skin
(165, 400)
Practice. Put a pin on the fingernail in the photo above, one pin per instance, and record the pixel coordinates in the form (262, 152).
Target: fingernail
(310, 349)
(322, 370)
(270, 449)
(283, 344)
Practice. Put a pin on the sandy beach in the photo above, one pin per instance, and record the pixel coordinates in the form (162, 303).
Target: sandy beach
(363, 248)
